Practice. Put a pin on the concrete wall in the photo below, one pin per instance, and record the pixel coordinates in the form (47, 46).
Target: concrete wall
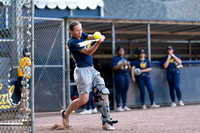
(190, 79)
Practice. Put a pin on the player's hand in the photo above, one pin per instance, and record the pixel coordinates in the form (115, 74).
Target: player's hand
(133, 79)
(125, 63)
(101, 39)
(172, 55)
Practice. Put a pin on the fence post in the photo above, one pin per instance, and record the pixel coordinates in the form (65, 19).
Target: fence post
(113, 54)
(32, 68)
(149, 41)
(67, 65)
(63, 59)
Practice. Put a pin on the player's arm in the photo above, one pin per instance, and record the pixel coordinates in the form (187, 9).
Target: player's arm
(166, 64)
(146, 70)
(129, 66)
(90, 37)
(132, 73)
(91, 50)
(177, 59)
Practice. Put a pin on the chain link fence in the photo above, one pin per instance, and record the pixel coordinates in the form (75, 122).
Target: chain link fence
(15, 65)
(49, 64)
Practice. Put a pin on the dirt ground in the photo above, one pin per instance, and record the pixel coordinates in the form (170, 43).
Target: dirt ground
(163, 120)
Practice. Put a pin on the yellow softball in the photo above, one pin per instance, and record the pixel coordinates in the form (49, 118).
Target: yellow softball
(97, 35)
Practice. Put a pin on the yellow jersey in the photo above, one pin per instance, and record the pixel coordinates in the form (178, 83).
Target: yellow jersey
(24, 62)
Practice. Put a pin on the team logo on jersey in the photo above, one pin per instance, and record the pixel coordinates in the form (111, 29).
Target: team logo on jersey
(143, 64)
(89, 45)
(171, 60)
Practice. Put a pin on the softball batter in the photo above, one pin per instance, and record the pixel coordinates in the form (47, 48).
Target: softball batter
(87, 77)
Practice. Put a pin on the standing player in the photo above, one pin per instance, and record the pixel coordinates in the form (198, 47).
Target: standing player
(171, 63)
(86, 77)
(143, 78)
(121, 67)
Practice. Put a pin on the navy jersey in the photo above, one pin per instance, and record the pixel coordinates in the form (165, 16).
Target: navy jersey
(80, 59)
(142, 64)
(171, 62)
(118, 60)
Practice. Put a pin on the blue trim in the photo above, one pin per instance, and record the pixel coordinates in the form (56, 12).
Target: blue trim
(129, 18)
(183, 62)
(48, 13)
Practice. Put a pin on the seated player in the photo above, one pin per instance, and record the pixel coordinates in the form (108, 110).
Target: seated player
(24, 70)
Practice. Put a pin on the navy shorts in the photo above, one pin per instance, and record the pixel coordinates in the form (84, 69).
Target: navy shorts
(19, 83)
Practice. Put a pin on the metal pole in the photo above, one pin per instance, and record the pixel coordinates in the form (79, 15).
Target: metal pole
(32, 69)
(67, 66)
(190, 50)
(63, 59)
(113, 54)
(131, 47)
(149, 41)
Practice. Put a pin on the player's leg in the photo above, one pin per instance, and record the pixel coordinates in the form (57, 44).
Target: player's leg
(83, 79)
(25, 98)
(83, 99)
(101, 93)
(177, 87)
(119, 85)
(124, 93)
(91, 99)
(170, 79)
(88, 109)
(150, 89)
(24, 95)
(140, 83)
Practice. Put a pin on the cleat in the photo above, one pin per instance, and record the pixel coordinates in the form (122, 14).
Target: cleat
(120, 109)
(65, 119)
(94, 111)
(108, 126)
(58, 127)
(173, 104)
(126, 108)
(155, 106)
(144, 107)
(181, 103)
(85, 112)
